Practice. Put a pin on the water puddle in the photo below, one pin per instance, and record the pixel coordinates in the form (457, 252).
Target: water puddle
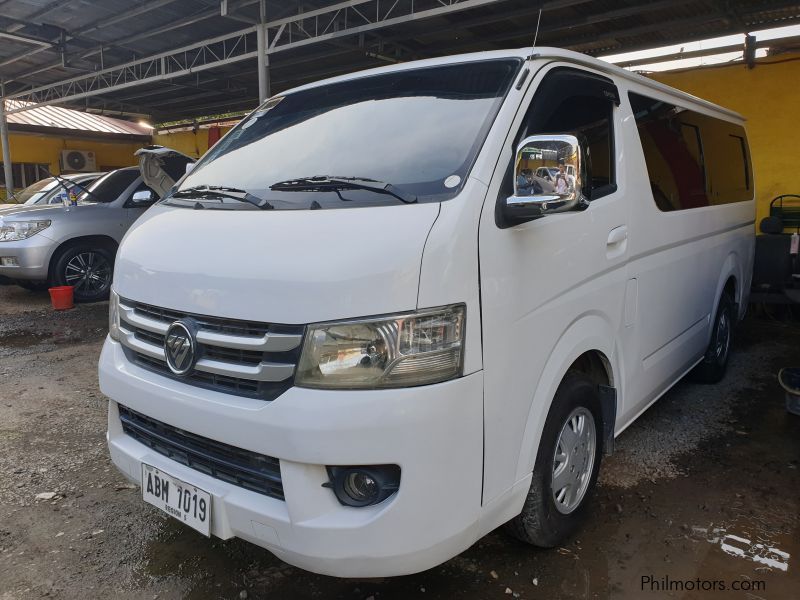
(760, 551)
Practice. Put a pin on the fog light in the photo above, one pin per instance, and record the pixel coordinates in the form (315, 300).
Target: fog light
(363, 486)
(360, 487)
(9, 261)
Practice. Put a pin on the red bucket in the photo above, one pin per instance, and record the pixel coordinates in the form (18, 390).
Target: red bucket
(61, 297)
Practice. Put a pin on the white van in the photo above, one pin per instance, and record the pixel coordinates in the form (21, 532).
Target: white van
(350, 336)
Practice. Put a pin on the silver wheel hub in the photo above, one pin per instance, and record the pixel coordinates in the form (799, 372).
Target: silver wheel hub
(88, 272)
(573, 461)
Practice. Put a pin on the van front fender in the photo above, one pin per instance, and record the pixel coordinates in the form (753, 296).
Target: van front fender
(590, 332)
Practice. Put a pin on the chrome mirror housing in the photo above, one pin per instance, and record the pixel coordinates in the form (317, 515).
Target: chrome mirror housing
(535, 194)
(143, 197)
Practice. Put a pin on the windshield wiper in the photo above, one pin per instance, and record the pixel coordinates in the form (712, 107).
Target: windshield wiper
(61, 181)
(221, 191)
(332, 183)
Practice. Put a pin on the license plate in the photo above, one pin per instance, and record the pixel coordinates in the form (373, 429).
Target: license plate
(177, 498)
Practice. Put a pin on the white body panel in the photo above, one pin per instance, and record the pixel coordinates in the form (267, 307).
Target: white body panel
(622, 279)
(542, 282)
(283, 266)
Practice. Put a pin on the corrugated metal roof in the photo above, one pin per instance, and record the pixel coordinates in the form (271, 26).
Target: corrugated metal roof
(66, 118)
(82, 37)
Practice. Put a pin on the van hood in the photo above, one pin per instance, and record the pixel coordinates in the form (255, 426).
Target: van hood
(288, 266)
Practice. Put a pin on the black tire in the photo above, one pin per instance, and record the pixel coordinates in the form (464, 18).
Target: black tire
(86, 267)
(543, 521)
(715, 361)
(32, 286)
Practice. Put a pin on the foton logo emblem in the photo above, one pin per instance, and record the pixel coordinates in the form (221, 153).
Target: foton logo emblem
(179, 348)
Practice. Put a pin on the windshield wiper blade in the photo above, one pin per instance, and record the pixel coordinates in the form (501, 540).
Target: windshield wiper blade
(332, 183)
(61, 180)
(221, 191)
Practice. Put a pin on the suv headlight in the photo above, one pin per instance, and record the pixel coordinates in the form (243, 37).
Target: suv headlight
(113, 315)
(12, 231)
(394, 351)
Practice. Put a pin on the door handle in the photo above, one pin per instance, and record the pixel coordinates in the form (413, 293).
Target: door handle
(617, 235)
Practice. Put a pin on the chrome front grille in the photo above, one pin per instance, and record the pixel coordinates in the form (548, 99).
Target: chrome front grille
(237, 357)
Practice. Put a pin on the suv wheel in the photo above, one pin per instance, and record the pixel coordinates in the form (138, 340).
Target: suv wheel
(88, 269)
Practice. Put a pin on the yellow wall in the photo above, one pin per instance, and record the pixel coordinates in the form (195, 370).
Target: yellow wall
(30, 148)
(768, 96)
(190, 143)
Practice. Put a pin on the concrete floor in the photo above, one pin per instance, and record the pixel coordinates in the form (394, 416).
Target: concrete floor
(703, 490)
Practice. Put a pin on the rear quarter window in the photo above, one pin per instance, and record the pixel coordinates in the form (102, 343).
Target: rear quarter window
(693, 160)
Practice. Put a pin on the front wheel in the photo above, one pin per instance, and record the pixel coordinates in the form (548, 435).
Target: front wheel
(566, 466)
(88, 269)
(715, 361)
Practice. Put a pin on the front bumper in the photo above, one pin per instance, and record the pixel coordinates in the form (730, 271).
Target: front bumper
(32, 256)
(433, 432)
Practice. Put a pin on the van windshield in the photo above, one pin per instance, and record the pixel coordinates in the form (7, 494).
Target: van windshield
(416, 131)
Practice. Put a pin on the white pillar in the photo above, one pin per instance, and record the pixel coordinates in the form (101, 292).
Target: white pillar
(263, 59)
(4, 141)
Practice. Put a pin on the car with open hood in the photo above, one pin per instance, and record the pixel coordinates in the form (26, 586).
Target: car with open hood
(75, 242)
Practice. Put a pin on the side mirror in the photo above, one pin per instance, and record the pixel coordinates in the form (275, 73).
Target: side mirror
(189, 167)
(536, 196)
(143, 198)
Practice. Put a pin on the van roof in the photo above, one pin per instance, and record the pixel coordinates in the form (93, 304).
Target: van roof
(540, 52)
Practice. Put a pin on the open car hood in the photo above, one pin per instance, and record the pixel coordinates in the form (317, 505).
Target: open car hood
(161, 167)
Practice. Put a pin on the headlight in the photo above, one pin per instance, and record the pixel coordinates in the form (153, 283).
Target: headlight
(394, 351)
(12, 231)
(113, 316)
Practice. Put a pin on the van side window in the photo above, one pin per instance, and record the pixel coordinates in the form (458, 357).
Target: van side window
(580, 103)
(726, 147)
(693, 160)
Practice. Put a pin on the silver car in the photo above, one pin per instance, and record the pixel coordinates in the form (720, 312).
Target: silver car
(75, 245)
(50, 190)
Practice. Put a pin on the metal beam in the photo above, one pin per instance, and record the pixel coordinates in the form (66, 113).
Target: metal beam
(136, 11)
(674, 39)
(336, 21)
(26, 39)
(167, 65)
(563, 25)
(149, 32)
(705, 52)
(46, 9)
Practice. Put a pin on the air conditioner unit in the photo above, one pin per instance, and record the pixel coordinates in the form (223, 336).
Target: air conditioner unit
(78, 160)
